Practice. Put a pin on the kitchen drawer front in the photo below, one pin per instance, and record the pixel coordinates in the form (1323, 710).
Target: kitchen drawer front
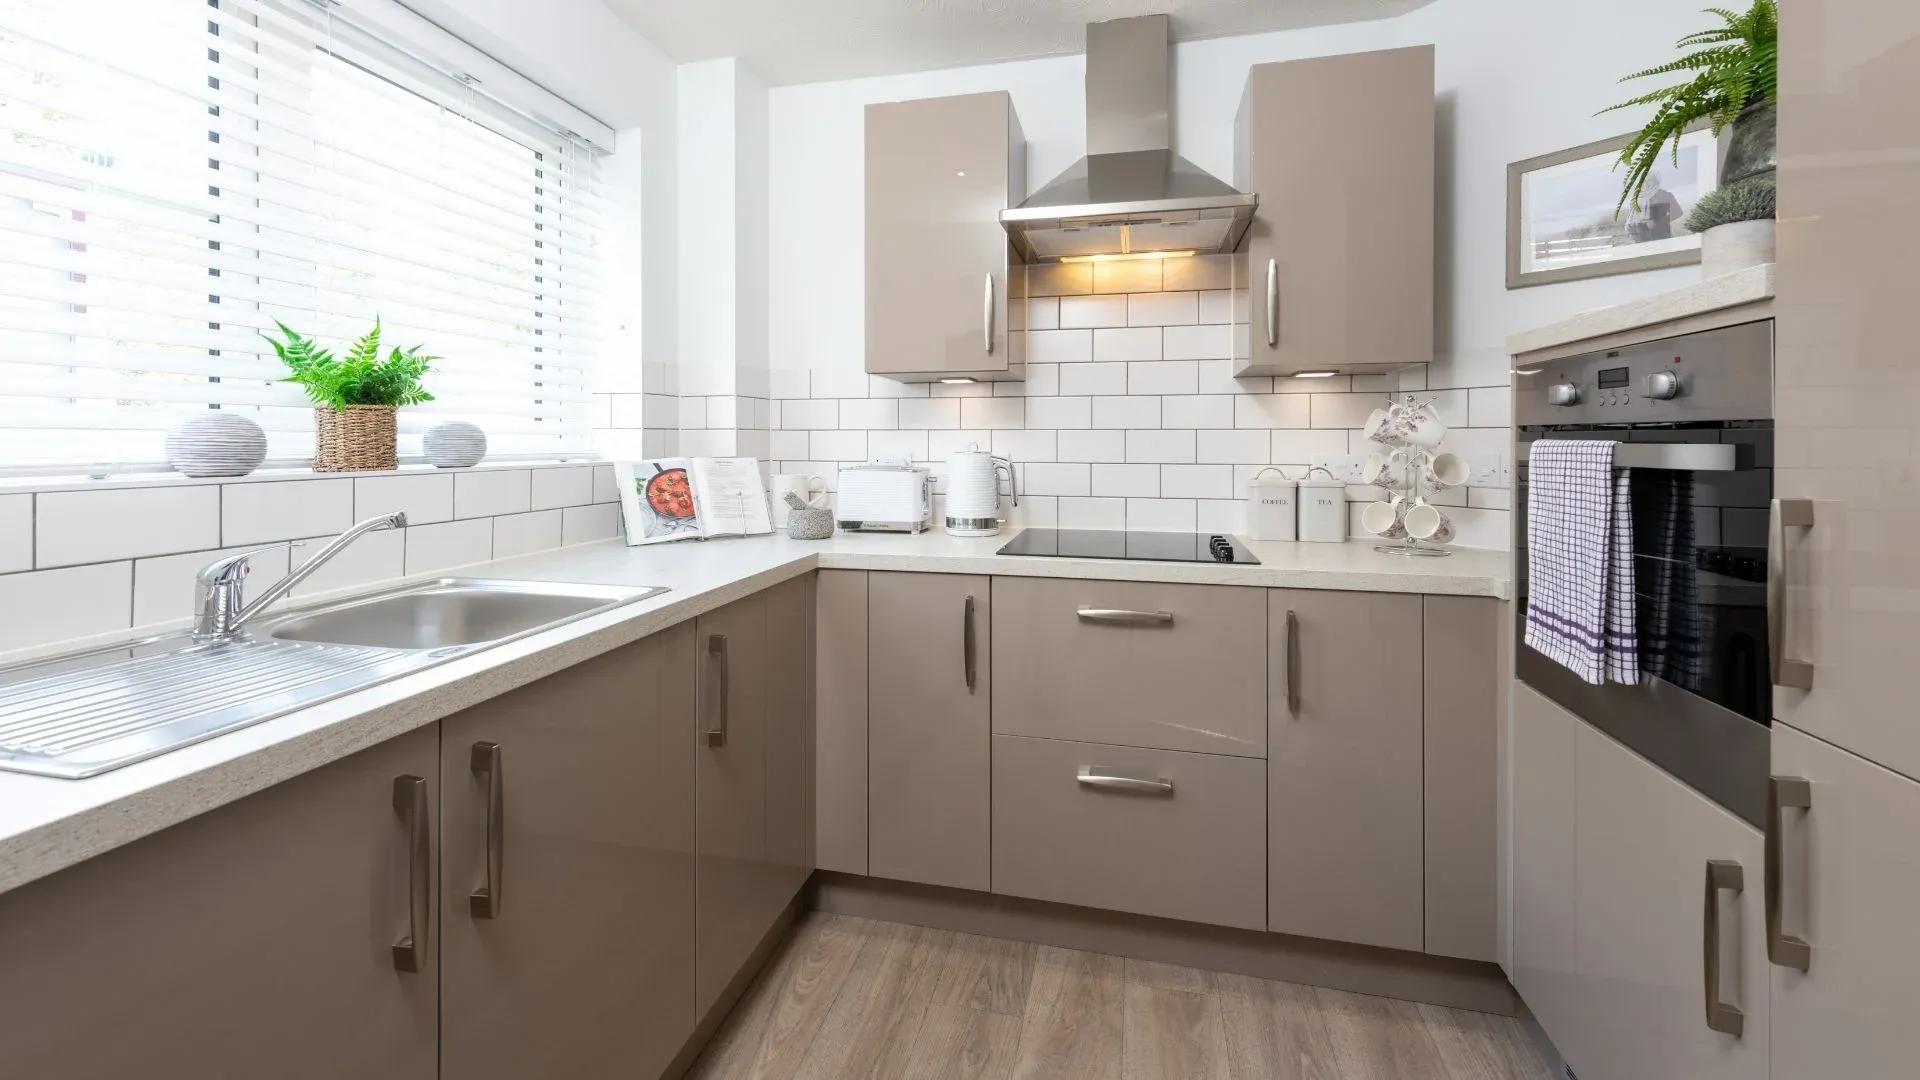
(1195, 852)
(1167, 667)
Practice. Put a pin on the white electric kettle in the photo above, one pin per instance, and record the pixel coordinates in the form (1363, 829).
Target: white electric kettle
(973, 491)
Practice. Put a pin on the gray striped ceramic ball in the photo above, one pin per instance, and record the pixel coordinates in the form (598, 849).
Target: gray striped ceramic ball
(455, 444)
(217, 444)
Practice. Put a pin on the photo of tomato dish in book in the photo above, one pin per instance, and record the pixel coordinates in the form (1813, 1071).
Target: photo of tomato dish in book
(691, 498)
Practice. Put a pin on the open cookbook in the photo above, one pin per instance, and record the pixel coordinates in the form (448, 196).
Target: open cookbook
(691, 498)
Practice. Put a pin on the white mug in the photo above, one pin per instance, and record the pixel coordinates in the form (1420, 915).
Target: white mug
(1445, 471)
(1384, 519)
(1422, 426)
(1424, 521)
(809, 488)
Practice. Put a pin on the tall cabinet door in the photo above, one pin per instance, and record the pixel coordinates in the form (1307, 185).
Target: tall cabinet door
(940, 276)
(790, 739)
(291, 935)
(1345, 767)
(730, 839)
(568, 858)
(1850, 887)
(1545, 777)
(1845, 373)
(929, 729)
(1339, 260)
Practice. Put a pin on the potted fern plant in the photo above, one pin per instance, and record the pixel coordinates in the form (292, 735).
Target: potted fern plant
(355, 397)
(1734, 85)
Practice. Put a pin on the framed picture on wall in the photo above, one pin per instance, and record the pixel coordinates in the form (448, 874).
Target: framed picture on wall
(1561, 220)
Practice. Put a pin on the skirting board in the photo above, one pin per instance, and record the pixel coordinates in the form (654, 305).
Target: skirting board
(1362, 969)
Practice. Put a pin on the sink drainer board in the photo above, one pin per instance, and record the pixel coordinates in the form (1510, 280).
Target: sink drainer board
(88, 720)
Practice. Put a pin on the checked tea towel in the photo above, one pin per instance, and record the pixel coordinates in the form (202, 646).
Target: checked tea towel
(1580, 603)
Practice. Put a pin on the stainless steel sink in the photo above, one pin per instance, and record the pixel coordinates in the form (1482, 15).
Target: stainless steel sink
(451, 613)
(87, 713)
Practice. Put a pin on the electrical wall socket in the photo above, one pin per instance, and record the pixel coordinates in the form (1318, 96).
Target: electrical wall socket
(1486, 470)
(1347, 468)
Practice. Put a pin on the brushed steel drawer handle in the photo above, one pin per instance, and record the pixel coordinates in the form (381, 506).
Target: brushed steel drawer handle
(717, 666)
(1722, 876)
(1784, 949)
(967, 648)
(1094, 776)
(986, 316)
(484, 901)
(1125, 617)
(1293, 663)
(1273, 303)
(1784, 514)
(410, 802)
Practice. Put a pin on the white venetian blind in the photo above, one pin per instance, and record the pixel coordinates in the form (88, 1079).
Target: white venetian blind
(177, 175)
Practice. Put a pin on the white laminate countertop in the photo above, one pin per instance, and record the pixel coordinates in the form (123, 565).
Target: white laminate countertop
(49, 824)
(1750, 286)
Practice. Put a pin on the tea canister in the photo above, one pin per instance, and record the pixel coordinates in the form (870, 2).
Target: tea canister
(1323, 509)
(1270, 505)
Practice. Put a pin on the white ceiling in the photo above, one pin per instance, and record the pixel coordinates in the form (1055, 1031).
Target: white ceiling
(796, 41)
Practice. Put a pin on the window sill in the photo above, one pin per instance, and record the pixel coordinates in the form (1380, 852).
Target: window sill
(12, 485)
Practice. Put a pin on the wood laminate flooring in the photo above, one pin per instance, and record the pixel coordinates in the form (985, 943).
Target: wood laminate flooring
(848, 998)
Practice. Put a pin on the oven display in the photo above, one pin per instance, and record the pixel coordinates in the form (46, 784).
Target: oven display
(1614, 378)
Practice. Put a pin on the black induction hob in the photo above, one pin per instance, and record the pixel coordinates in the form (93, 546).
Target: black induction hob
(1109, 544)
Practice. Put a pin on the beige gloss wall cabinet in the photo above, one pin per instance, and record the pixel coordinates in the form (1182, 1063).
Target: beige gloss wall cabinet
(1337, 271)
(255, 940)
(1632, 894)
(945, 293)
(568, 858)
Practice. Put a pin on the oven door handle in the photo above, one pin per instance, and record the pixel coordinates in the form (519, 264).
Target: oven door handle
(1784, 514)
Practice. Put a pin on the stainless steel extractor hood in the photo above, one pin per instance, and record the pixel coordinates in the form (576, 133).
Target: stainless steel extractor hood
(1131, 194)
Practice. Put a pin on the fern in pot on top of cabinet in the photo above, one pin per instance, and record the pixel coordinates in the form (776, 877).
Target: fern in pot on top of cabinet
(355, 397)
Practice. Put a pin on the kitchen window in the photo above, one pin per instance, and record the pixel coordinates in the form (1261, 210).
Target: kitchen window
(178, 175)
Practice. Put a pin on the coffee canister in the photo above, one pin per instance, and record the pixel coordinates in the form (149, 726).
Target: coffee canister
(1270, 505)
(1323, 509)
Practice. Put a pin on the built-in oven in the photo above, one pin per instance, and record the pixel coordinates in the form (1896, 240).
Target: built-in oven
(1694, 417)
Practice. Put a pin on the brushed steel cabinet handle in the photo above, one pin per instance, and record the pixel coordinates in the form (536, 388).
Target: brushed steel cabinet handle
(410, 802)
(1094, 776)
(1273, 303)
(986, 315)
(1784, 514)
(966, 643)
(717, 677)
(485, 900)
(1722, 876)
(1292, 647)
(1125, 617)
(1784, 949)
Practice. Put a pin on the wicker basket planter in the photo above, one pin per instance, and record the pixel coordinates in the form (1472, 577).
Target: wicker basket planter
(357, 438)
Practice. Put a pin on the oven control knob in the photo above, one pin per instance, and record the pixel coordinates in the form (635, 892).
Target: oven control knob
(1563, 394)
(1663, 386)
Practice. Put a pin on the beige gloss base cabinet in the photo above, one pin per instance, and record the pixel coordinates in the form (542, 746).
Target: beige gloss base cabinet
(1610, 868)
(1345, 849)
(1850, 876)
(256, 940)
(585, 966)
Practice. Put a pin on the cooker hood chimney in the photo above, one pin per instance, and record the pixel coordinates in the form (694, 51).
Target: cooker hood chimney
(1131, 195)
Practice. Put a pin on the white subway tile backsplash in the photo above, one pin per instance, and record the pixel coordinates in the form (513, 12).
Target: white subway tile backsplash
(1128, 276)
(448, 544)
(1490, 406)
(16, 533)
(1053, 478)
(1300, 447)
(1216, 377)
(1196, 481)
(849, 382)
(1035, 512)
(1126, 481)
(1093, 379)
(1197, 411)
(163, 588)
(1125, 413)
(892, 445)
(375, 557)
(1162, 515)
(1059, 347)
(524, 534)
(838, 446)
(1093, 446)
(1043, 380)
(1163, 309)
(784, 383)
(1164, 377)
(72, 527)
(478, 494)
(1451, 405)
(786, 444)
(944, 444)
(554, 488)
(929, 413)
(1489, 498)
(1169, 447)
(1029, 444)
(809, 415)
(586, 524)
(1270, 411)
(286, 509)
(882, 387)
(1134, 344)
(870, 413)
(1216, 306)
(605, 488)
(1082, 312)
(1221, 515)
(74, 602)
(1212, 342)
(986, 413)
(1078, 513)
(1043, 313)
(1238, 447)
(627, 411)
(693, 413)
(1060, 412)
(424, 499)
(660, 411)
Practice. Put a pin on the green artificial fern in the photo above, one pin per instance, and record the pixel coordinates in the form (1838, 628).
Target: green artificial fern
(361, 378)
(1735, 65)
(1751, 199)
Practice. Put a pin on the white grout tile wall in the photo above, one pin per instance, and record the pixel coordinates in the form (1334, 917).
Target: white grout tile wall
(88, 562)
(1130, 416)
